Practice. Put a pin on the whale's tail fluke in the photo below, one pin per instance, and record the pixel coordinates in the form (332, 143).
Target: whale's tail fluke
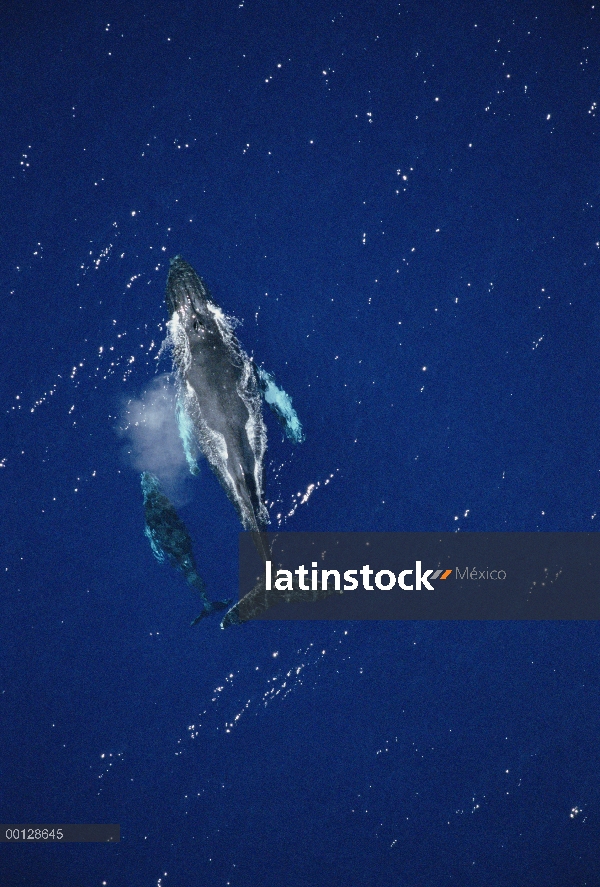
(210, 608)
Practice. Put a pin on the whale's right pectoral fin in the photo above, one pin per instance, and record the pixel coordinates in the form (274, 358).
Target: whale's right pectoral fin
(281, 404)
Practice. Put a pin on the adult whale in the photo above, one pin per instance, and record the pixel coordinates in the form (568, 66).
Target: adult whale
(220, 391)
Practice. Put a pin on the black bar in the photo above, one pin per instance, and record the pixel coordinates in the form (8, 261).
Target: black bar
(29, 833)
(475, 576)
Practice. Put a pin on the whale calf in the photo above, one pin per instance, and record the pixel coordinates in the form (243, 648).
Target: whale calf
(171, 542)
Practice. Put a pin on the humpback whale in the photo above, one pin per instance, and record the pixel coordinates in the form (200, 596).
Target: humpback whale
(219, 392)
(219, 400)
(171, 542)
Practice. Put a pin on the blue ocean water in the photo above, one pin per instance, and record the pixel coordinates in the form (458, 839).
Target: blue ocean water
(401, 203)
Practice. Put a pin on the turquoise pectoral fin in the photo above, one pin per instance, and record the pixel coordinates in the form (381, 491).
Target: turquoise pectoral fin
(281, 404)
(187, 435)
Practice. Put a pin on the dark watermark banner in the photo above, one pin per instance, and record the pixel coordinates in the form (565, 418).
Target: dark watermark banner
(419, 576)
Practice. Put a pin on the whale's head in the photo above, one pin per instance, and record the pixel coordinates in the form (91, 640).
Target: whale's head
(196, 323)
(185, 290)
(189, 302)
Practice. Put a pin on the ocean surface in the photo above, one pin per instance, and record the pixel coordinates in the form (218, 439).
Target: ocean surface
(400, 202)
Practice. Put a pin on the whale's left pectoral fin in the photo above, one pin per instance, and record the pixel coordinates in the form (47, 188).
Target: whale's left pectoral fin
(281, 404)
(185, 427)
